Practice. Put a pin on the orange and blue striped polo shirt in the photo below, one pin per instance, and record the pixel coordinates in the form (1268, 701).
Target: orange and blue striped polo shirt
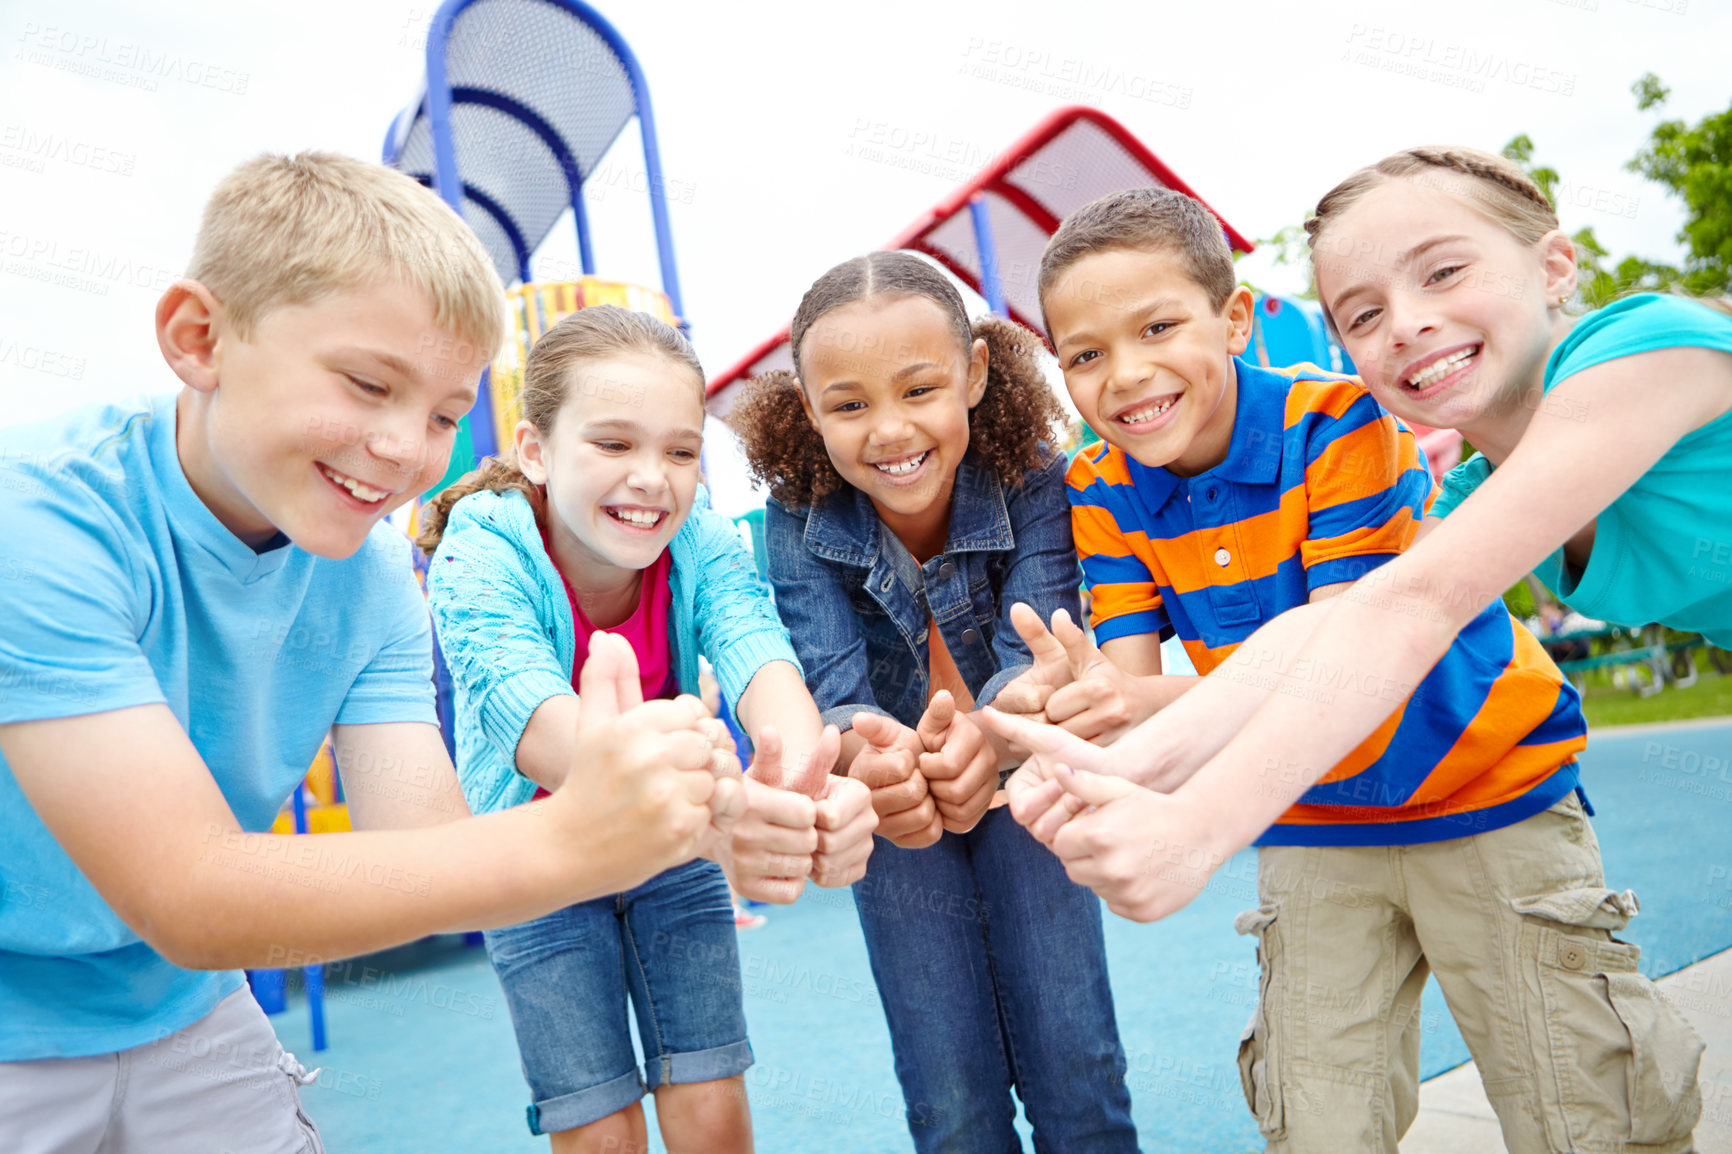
(1322, 485)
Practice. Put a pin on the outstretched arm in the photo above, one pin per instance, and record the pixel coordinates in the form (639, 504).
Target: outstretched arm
(144, 820)
(1598, 434)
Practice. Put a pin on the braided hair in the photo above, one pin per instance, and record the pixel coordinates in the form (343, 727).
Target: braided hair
(1498, 187)
(1008, 428)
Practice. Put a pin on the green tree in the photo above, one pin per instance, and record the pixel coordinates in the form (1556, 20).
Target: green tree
(1693, 163)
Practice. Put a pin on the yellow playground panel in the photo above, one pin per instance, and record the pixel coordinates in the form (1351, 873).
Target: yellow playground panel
(325, 814)
(537, 307)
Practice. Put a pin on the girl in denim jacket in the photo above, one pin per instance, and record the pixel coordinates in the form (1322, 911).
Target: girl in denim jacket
(914, 500)
(599, 523)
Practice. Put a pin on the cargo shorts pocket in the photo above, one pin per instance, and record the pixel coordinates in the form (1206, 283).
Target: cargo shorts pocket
(1258, 1046)
(1621, 1064)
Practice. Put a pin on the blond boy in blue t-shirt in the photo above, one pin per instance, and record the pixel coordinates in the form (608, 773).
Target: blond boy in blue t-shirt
(212, 589)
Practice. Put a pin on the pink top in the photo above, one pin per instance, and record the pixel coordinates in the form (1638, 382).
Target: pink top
(646, 629)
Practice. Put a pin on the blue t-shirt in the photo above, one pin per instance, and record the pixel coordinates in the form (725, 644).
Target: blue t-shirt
(121, 589)
(1663, 550)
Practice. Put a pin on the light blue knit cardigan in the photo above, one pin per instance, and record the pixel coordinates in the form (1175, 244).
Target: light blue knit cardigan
(506, 629)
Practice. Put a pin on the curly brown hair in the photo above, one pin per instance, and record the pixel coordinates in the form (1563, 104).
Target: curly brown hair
(1014, 419)
(586, 335)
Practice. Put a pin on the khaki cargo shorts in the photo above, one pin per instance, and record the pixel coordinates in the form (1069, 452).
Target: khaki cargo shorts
(1578, 1051)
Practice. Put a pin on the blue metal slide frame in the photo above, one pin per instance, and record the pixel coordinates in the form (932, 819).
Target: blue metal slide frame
(437, 105)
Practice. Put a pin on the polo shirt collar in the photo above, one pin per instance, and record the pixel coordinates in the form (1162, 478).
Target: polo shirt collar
(1253, 452)
(1259, 420)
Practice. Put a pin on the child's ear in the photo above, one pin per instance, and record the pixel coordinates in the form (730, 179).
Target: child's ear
(1238, 313)
(531, 459)
(187, 319)
(1558, 259)
(979, 360)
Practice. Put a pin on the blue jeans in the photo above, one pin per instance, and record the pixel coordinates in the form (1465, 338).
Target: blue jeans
(669, 943)
(992, 970)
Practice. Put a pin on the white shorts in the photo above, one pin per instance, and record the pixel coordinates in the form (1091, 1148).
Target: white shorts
(222, 1084)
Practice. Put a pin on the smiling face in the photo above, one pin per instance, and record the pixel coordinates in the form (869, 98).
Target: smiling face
(1146, 358)
(620, 463)
(1448, 317)
(324, 419)
(888, 386)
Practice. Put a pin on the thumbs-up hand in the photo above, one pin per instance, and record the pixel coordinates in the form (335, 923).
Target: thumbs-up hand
(1146, 854)
(832, 815)
(641, 793)
(1051, 668)
(888, 764)
(1102, 702)
(960, 765)
(770, 849)
(810, 776)
(1035, 802)
(844, 817)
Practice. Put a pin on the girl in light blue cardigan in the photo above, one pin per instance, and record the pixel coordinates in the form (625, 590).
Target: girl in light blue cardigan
(600, 523)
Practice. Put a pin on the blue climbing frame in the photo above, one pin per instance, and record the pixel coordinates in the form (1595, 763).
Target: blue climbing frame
(486, 188)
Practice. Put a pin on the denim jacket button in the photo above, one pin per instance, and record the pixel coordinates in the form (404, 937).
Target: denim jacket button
(970, 636)
(946, 571)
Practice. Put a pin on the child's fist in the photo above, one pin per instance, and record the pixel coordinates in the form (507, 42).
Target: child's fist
(889, 766)
(959, 764)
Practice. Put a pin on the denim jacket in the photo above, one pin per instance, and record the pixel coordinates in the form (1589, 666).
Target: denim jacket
(858, 607)
(506, 629)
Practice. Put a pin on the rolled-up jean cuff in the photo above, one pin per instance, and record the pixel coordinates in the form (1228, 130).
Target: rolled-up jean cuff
(699, 1065)
(581, 1107)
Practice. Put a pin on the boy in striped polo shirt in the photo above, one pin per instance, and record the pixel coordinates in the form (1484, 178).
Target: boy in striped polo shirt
(1454, 840)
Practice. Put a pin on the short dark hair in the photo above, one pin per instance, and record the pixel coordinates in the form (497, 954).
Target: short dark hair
(1150, 220)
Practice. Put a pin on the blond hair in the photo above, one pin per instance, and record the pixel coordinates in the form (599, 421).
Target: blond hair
(289, 230)
(587, 335)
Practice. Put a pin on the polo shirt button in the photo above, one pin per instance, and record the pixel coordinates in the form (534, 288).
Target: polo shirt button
(970, 636)
(946, 571)
(1222, 557)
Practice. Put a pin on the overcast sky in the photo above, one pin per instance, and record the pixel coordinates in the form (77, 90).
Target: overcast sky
(117, 118)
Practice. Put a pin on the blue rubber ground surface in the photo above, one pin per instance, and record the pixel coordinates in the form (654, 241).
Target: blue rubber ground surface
(422, 1056)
